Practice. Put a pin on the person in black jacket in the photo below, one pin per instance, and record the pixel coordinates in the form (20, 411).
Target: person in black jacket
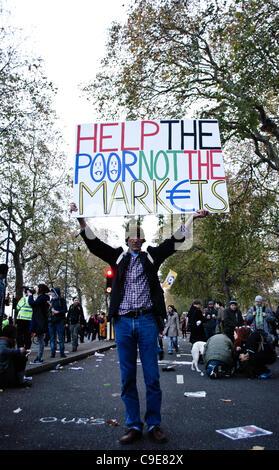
(56, 323)
(138, 309)
(232, 319)
(92, 326)
(210, 320)
(259, 354)
(196, 321)
(75, 319)
(39, 323)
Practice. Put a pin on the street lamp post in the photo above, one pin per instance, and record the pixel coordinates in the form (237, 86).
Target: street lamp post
(2, 307)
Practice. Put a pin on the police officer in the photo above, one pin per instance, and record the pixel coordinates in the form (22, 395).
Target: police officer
(23, 321)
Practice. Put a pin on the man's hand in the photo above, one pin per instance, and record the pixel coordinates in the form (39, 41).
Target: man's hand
(73, 207)
(82, 221)
(200, 214)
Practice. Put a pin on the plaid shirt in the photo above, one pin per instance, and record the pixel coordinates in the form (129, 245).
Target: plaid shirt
(136, 291)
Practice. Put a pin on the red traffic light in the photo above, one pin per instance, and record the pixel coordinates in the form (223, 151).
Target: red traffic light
(109, 278)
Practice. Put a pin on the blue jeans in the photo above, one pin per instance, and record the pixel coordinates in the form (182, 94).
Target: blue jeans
(172, 342)
(41, 342)
(74, 329)
(56, 328)
(209, 331)
(142, 332)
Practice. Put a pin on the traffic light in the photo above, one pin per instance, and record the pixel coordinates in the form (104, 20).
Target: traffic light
(109, 278)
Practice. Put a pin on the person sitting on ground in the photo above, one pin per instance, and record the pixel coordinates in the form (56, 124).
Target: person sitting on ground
(218, 356)
(12, 360)
(241, 335)
(260, 352)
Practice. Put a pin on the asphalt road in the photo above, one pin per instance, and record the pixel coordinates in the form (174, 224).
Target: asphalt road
(78, 407)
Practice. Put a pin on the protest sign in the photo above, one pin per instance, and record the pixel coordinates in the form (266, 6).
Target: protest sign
(243, 432)
(149, 167)
(168, 282)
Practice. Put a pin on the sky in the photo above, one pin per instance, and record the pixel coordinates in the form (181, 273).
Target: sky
(70, 36)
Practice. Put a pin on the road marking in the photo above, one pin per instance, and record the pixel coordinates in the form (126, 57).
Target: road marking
(179, 379)
(183, 363)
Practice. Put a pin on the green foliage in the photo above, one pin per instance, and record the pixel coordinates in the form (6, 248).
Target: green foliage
(215, 59)
(231, 256)
(211, 59)
(31, 162)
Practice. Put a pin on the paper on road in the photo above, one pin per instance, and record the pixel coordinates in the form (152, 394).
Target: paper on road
(200, 394)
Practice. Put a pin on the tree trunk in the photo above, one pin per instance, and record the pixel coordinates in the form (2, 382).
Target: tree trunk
(226, 286)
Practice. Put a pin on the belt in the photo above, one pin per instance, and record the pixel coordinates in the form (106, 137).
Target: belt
(137, 313)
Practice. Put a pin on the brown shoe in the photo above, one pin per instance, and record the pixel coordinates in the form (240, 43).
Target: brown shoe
(130, 436)
(157, 435)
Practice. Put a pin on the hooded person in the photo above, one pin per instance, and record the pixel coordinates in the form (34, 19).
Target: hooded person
(58, 310)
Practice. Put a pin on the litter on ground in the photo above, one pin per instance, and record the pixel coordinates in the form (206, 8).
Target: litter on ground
(201, 394)
(18, 410)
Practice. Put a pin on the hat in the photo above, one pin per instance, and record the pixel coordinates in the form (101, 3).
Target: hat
(233, 302)
(258, 298)
(211, 302)
(56, 291)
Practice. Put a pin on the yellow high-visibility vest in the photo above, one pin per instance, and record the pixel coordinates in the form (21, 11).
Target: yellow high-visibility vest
(25, 311)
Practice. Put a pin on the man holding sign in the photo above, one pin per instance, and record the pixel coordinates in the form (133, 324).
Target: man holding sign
(138, 308)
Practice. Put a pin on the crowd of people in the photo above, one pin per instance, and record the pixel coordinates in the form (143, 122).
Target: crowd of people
(233, 342)
(43, 312)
